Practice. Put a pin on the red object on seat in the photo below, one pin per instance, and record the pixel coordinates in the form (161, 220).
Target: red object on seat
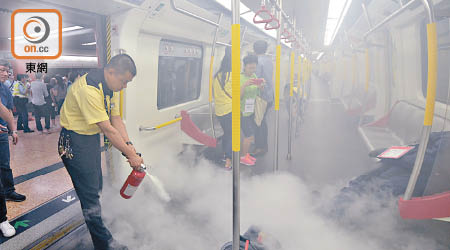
(189, 127)
(426, 207)
(383, 121)
(269, 27)
(263, 10)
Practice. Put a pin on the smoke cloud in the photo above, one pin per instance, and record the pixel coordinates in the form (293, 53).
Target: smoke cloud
(199, 216)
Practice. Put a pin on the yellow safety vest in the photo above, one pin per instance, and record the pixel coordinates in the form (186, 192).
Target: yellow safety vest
(16, 90)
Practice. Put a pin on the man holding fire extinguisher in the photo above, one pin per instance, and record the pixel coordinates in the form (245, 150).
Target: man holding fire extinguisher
(92, 107)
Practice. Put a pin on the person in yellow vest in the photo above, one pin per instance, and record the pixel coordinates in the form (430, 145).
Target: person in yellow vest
(20, 95)
(91, 107)
(223, 104)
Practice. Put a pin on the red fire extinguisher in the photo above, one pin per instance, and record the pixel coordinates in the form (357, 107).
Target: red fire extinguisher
(133, 181)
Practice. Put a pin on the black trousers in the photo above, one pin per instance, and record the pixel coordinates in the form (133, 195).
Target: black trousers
(6, 175)
(50, 110)
(86, 174)
(225, 123)
(2, 191)
(41, 111)
(262, 132)
(22, 112)
(6, 180)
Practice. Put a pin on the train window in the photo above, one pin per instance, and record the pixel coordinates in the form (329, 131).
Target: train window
(179, 73)
(443, 77)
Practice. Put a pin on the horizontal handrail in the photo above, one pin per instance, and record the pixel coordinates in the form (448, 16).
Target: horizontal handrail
(224, 44)
(390, 17)
(185, 12)
(160, 125)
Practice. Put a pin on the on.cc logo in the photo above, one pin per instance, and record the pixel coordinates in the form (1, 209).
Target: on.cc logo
(39, 26)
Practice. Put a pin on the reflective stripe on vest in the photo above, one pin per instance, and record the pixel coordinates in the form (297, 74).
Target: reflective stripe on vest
(16, 90)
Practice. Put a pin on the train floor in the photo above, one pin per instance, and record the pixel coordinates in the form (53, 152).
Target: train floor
(326, 150)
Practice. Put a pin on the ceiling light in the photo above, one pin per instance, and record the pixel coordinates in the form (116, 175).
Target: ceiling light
(337, 10)
(71, 28)
(87, 44)
(320, 55)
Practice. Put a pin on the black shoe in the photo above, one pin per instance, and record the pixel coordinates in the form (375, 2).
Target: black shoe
(20, 128)
(28, 131)
(15, 197)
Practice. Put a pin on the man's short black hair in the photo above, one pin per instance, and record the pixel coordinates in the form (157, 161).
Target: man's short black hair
(122, 63)
(260, 47)
(20, 77)
(47, 78)
(73, 75)
(250, 59)
(5, 63)
(38, 76)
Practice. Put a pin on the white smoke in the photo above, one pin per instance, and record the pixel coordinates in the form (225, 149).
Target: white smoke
(199, 216)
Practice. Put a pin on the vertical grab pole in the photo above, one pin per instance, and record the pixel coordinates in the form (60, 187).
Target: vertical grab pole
(353, 80)
(300, 93)
(306, 77)
(236, 115)
(277, 88)
(366, 87)
(291, 94)
(213, 51)
(431, 98)
(299, 84)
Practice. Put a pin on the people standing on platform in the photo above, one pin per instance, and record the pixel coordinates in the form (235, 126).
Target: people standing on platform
(60, 92)
(9, 83)
(223, 104)
(92, 107)
(249, 92)
(50, 102)
(263, 70)
(73, 76)
(38, 95)
(6, 175)
(20, 94)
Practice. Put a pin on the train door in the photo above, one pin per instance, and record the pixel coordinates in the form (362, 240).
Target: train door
(38, 172)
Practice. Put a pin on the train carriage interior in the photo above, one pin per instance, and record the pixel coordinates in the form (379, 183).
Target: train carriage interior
(357, 138)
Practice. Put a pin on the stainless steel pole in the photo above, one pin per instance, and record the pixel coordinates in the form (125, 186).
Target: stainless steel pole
(431, 95)
(236, 122)
(185, 12)
(366, 13)
(291, 96)
(213, 50)
(390, 17)
(243, 35)
(277, 88)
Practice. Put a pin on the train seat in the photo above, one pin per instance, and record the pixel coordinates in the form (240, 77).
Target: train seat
(201, 117)
(401, 126)
(196, 123)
